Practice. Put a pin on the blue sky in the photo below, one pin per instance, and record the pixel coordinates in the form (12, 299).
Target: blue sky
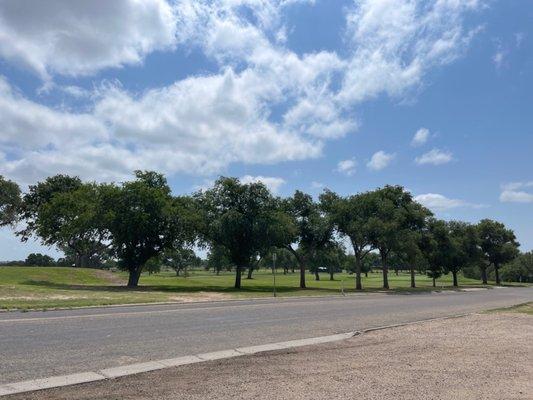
(297, 93)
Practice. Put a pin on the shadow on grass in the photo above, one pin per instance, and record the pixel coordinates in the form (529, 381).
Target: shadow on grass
(230, 289)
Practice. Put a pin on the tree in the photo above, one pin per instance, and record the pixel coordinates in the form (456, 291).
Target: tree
(520, 269)
(40, 260)
(351, 216)
(40, 194)
(331, 258)
(464, 248)
(449, 246)
(10, 202)
(244, 218)
(430, 244)
(498, 244)
(314, 230)
(284, 259)
(179, 258)
(143, 220)
(394, 214)
(218, 258)
(74, 220)
(408, 255)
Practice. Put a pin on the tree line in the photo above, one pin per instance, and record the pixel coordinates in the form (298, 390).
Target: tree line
(140, 220)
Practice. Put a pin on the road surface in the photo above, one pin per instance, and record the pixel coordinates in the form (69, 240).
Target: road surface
(41, 344)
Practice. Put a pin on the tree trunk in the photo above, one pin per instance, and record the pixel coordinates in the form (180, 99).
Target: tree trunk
(413, 285)
(385, 271)
(133, 279)
(302, 274)
(301, 262)
(358, 283)
(434, 283)
(497, 273)
(317, 276)
(484, 275)
(454, 273)
(177, 272)
(396, 271)
(238, 277)
(331, 274)
(250, 271)
(366, 274)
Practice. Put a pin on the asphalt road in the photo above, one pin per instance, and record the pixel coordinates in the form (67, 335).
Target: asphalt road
(42, 344)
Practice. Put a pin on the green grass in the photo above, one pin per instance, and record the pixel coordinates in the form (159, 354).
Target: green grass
(525, 308)
(54, 287)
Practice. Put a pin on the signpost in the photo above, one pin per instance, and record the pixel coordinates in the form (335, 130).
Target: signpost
(274, 256)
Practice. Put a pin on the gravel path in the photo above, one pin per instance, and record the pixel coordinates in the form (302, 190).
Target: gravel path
(487, 356)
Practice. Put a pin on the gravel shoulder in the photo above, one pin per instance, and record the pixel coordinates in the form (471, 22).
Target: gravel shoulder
(482, 356)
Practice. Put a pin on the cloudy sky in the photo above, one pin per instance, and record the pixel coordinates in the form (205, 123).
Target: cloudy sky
(435, 95)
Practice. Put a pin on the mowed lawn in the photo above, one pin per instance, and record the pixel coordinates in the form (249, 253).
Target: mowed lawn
(55, 287)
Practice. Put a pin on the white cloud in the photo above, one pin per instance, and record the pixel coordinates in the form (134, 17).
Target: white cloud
(347, 167)
(380, 160)
(498, 58)
(435, 157)
(82, 37)
(264, 104)
(514, 192)
(271, 182)
(395, 42)
(420, 137)
(198, 125)
(438, 202)
(317, 185)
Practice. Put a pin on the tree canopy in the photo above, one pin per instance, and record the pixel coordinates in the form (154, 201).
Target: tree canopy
(498, 244)
(10, 202)
(244, 218)
(143, 219)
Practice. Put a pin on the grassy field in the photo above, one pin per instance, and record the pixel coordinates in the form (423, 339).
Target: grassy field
(54, 287)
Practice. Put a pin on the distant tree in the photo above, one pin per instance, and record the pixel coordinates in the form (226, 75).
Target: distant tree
(314, 230)
(394, 215)
(218, 258)
(519, 270)
(284, 259)
(39, 260)
(351, 216)
(10, 202)
(153, 265)
(143, 220)
(179, 259)
(244, 218)
(330, 258)
(498, 244)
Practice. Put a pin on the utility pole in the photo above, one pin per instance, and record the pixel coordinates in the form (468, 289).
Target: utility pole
(274, 256)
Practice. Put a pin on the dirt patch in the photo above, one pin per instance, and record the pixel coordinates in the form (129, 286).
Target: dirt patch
(477, 357)
(201, 296)
(110, 277)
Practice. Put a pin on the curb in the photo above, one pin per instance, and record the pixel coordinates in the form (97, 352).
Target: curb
(132, 369)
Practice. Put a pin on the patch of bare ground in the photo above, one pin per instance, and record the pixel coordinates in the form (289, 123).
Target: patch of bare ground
(110, 277)
(201, 296)
(485, 356)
